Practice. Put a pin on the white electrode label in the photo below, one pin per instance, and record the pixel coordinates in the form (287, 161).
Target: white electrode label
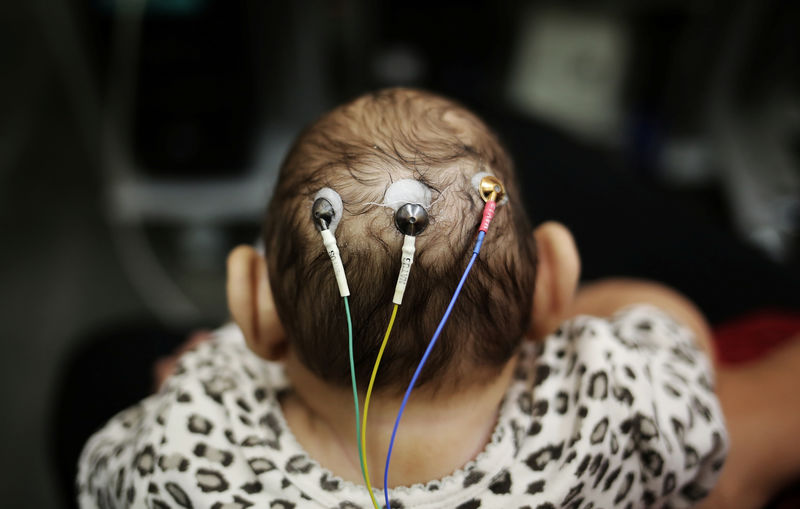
(338, 268)
(405, 269)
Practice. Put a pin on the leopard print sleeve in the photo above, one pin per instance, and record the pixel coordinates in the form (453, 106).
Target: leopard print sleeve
(676, 429)
(632, 419)
(115, 465)
(209, 438)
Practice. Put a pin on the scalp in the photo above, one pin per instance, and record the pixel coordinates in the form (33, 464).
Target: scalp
(358, 150)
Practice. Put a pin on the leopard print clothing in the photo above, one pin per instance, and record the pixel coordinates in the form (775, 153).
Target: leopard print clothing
(604, 413)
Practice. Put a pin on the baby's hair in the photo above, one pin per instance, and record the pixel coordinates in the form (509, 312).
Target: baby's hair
(358, 150)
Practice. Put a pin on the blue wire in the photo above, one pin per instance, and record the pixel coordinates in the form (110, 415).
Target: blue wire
(478, 244)
(436, 334)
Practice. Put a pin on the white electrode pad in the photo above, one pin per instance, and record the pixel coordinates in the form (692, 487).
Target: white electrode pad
(335, 201)
(407, 191)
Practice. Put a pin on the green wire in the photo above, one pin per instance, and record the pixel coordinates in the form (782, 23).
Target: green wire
(355, 389)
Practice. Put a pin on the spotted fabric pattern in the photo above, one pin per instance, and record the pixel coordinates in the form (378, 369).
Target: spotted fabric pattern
(604, 413)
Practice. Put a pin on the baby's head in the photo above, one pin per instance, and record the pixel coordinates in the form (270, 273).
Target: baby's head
(358, 150)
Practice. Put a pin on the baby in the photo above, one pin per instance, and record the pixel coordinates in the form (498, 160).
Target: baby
(515, 407)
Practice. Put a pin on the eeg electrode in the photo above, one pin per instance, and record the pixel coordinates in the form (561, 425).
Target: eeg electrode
(330, 210)
(326, 213)
(491, 189)
(410, 200)
(411, 219)
(484, 182)
(322, 212)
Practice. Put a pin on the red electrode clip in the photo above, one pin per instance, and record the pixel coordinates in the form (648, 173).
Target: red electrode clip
(488, 215)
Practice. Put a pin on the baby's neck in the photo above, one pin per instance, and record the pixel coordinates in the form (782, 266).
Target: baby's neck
(438, 434)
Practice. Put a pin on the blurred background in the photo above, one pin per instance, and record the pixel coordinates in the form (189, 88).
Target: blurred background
(139, 141)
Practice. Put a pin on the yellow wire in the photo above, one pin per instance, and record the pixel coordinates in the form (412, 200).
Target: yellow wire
(366, 407)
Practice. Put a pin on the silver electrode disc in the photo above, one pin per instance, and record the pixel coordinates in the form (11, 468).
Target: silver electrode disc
(411, 219)
(335, 202)
(322, 213)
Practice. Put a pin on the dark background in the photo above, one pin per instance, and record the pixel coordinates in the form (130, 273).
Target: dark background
(139, 140)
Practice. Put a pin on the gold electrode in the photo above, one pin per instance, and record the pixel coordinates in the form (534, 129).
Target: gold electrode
(491, 189)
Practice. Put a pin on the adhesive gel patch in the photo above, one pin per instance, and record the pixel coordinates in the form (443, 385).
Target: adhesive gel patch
(407, 191)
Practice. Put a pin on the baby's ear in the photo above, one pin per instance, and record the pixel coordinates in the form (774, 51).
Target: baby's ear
(251, 304)
(557, 273)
